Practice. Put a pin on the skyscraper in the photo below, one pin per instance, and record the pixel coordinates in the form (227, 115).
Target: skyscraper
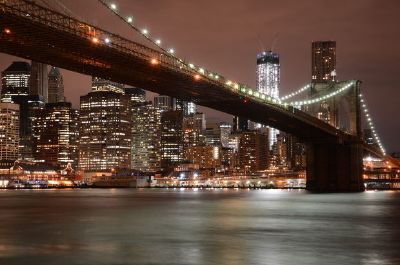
(56, 86)
(268, 73)
(28, 107)
(323, 66)
(268, 80)
(9, 131)
(15, 81)
(39, 82)
(56, 135)
(146, 137)
(171, 138)
(105, 131)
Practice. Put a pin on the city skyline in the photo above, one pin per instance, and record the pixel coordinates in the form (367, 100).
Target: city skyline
(294, 46)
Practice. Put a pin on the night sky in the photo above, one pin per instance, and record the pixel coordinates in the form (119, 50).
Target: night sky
(225, 36)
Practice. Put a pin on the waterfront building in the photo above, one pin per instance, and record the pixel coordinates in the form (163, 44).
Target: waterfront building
(15, 81)
(39, 81)
(105, 131)
(323, 67)
(194, 126)
(207, 157)
(9, 131)
(253, 151)
(56, 135)
(171, 138)
(56, 86)
(146, 137)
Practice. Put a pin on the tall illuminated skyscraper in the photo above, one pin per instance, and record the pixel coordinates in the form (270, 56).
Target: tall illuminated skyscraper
(268, 80)
(268, 73)
(323, 61)
(146, 137)
(105, 131)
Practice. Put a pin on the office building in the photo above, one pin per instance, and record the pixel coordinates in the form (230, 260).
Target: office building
(171, 138)
(9, 131)
(187, 107)
(105, 131)
(15, 81)
(137, 95)
(56, 86)
(194, 126)
(253, 151)
(146, 137)
(323, 66)
(268, 80)
(28, 107)
(56, 135)
(39, 81)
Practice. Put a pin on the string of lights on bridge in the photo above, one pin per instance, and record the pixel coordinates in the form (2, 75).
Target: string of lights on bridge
(202, 72)
(345, 87)
(199, 71)
(370, 124)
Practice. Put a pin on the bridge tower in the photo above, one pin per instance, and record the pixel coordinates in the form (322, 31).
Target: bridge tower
(336, 166)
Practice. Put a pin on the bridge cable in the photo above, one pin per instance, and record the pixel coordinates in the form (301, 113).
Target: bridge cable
(370, 123)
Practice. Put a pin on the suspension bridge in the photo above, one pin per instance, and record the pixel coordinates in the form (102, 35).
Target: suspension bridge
(38, 32)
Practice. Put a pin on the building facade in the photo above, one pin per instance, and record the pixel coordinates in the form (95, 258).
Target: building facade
(253, 151)
(15, 81)
(146, 137)
(39, 81)
(56, 86)
(171, 138)
(56, 135)
(323, 66)
(105, 131)
(9, 131)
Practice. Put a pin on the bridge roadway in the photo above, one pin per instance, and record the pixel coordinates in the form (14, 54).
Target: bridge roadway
(33, 32)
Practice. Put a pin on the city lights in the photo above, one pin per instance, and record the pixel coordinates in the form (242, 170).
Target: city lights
(154, 61)
(95, 40)
(7, 31)
(113, 6)
(129, 19)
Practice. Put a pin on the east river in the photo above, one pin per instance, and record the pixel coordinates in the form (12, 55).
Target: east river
(128, 226)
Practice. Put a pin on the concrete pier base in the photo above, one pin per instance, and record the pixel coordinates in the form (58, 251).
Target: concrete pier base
(334, 167)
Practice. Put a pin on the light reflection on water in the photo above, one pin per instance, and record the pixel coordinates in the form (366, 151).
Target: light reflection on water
(217, 226)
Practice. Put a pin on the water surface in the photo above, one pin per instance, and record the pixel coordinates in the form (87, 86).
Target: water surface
(128, 226)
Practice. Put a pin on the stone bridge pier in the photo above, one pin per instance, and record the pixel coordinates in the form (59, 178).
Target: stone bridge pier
(335, 167)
